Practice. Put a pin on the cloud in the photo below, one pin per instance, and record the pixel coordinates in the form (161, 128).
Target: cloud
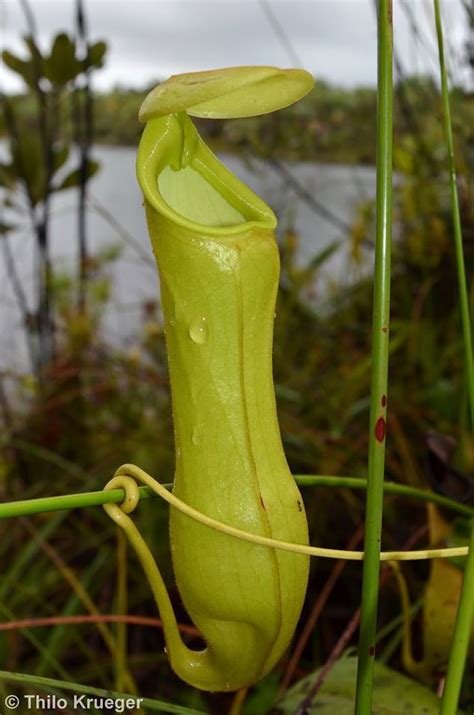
(148, 39)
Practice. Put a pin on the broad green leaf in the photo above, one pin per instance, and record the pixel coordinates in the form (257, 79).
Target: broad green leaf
(323, 256)
(394, 694)
(8, 175)
(228, 92)
(74, 177)
(35, 53)
(22, 67)
(439, 615)
(440, 604)
(95, 55)
(28, 161)
(60, 156)
(262, 696)
(61, 66)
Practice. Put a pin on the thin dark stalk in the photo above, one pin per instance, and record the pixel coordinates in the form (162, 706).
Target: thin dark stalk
(29, 321)
(122, 232)
(305, 707)
(41, 225)
(380, 355)
(30, 18)
(316, 611)
(307, 197)
(280, 33)
(83, 123)
(21, 300)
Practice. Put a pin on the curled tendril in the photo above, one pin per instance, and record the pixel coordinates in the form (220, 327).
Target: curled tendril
(130, 487)
(128, 475)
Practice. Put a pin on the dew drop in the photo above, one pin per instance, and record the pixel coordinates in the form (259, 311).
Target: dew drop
(196, 435)
(198, 330)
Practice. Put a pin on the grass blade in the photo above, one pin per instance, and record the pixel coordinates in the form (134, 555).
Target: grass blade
(456, 217)
(462, 632)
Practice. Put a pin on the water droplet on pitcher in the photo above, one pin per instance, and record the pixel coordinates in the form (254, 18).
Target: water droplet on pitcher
(198, 330)
(196, 435)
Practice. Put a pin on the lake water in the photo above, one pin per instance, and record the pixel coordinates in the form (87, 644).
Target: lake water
(337, 189)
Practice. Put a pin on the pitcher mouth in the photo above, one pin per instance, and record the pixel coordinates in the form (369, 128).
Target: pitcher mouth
(185, 182)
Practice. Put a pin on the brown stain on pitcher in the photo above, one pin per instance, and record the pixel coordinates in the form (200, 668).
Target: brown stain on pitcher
(380, 429)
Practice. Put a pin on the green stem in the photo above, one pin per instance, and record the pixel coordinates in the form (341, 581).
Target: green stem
(456, 216)
(28, 507)
(389, 488)
(462, 631)
(465, 610)
(25, 679)
(380, 353)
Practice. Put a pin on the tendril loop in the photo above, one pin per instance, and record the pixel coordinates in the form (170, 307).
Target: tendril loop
(127, 476)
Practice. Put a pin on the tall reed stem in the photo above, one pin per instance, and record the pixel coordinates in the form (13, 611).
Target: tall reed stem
(465, 611)
(462, 634)
(380, 353)
(456, 217)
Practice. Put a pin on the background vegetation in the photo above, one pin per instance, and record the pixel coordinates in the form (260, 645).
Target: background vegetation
(331, 124)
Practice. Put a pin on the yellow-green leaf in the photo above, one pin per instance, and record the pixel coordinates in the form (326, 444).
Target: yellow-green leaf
(227, 93)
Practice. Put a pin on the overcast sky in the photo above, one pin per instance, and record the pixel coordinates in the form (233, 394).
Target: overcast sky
(150, 39)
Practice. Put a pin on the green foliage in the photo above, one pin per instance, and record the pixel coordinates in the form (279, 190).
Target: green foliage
(39, 149)
(394, 694)
(330, 125)
(74, 177)
(59, 67)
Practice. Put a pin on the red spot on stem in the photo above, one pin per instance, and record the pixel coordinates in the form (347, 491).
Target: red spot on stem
(380, 429)
(384, 400)
(384, 329)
